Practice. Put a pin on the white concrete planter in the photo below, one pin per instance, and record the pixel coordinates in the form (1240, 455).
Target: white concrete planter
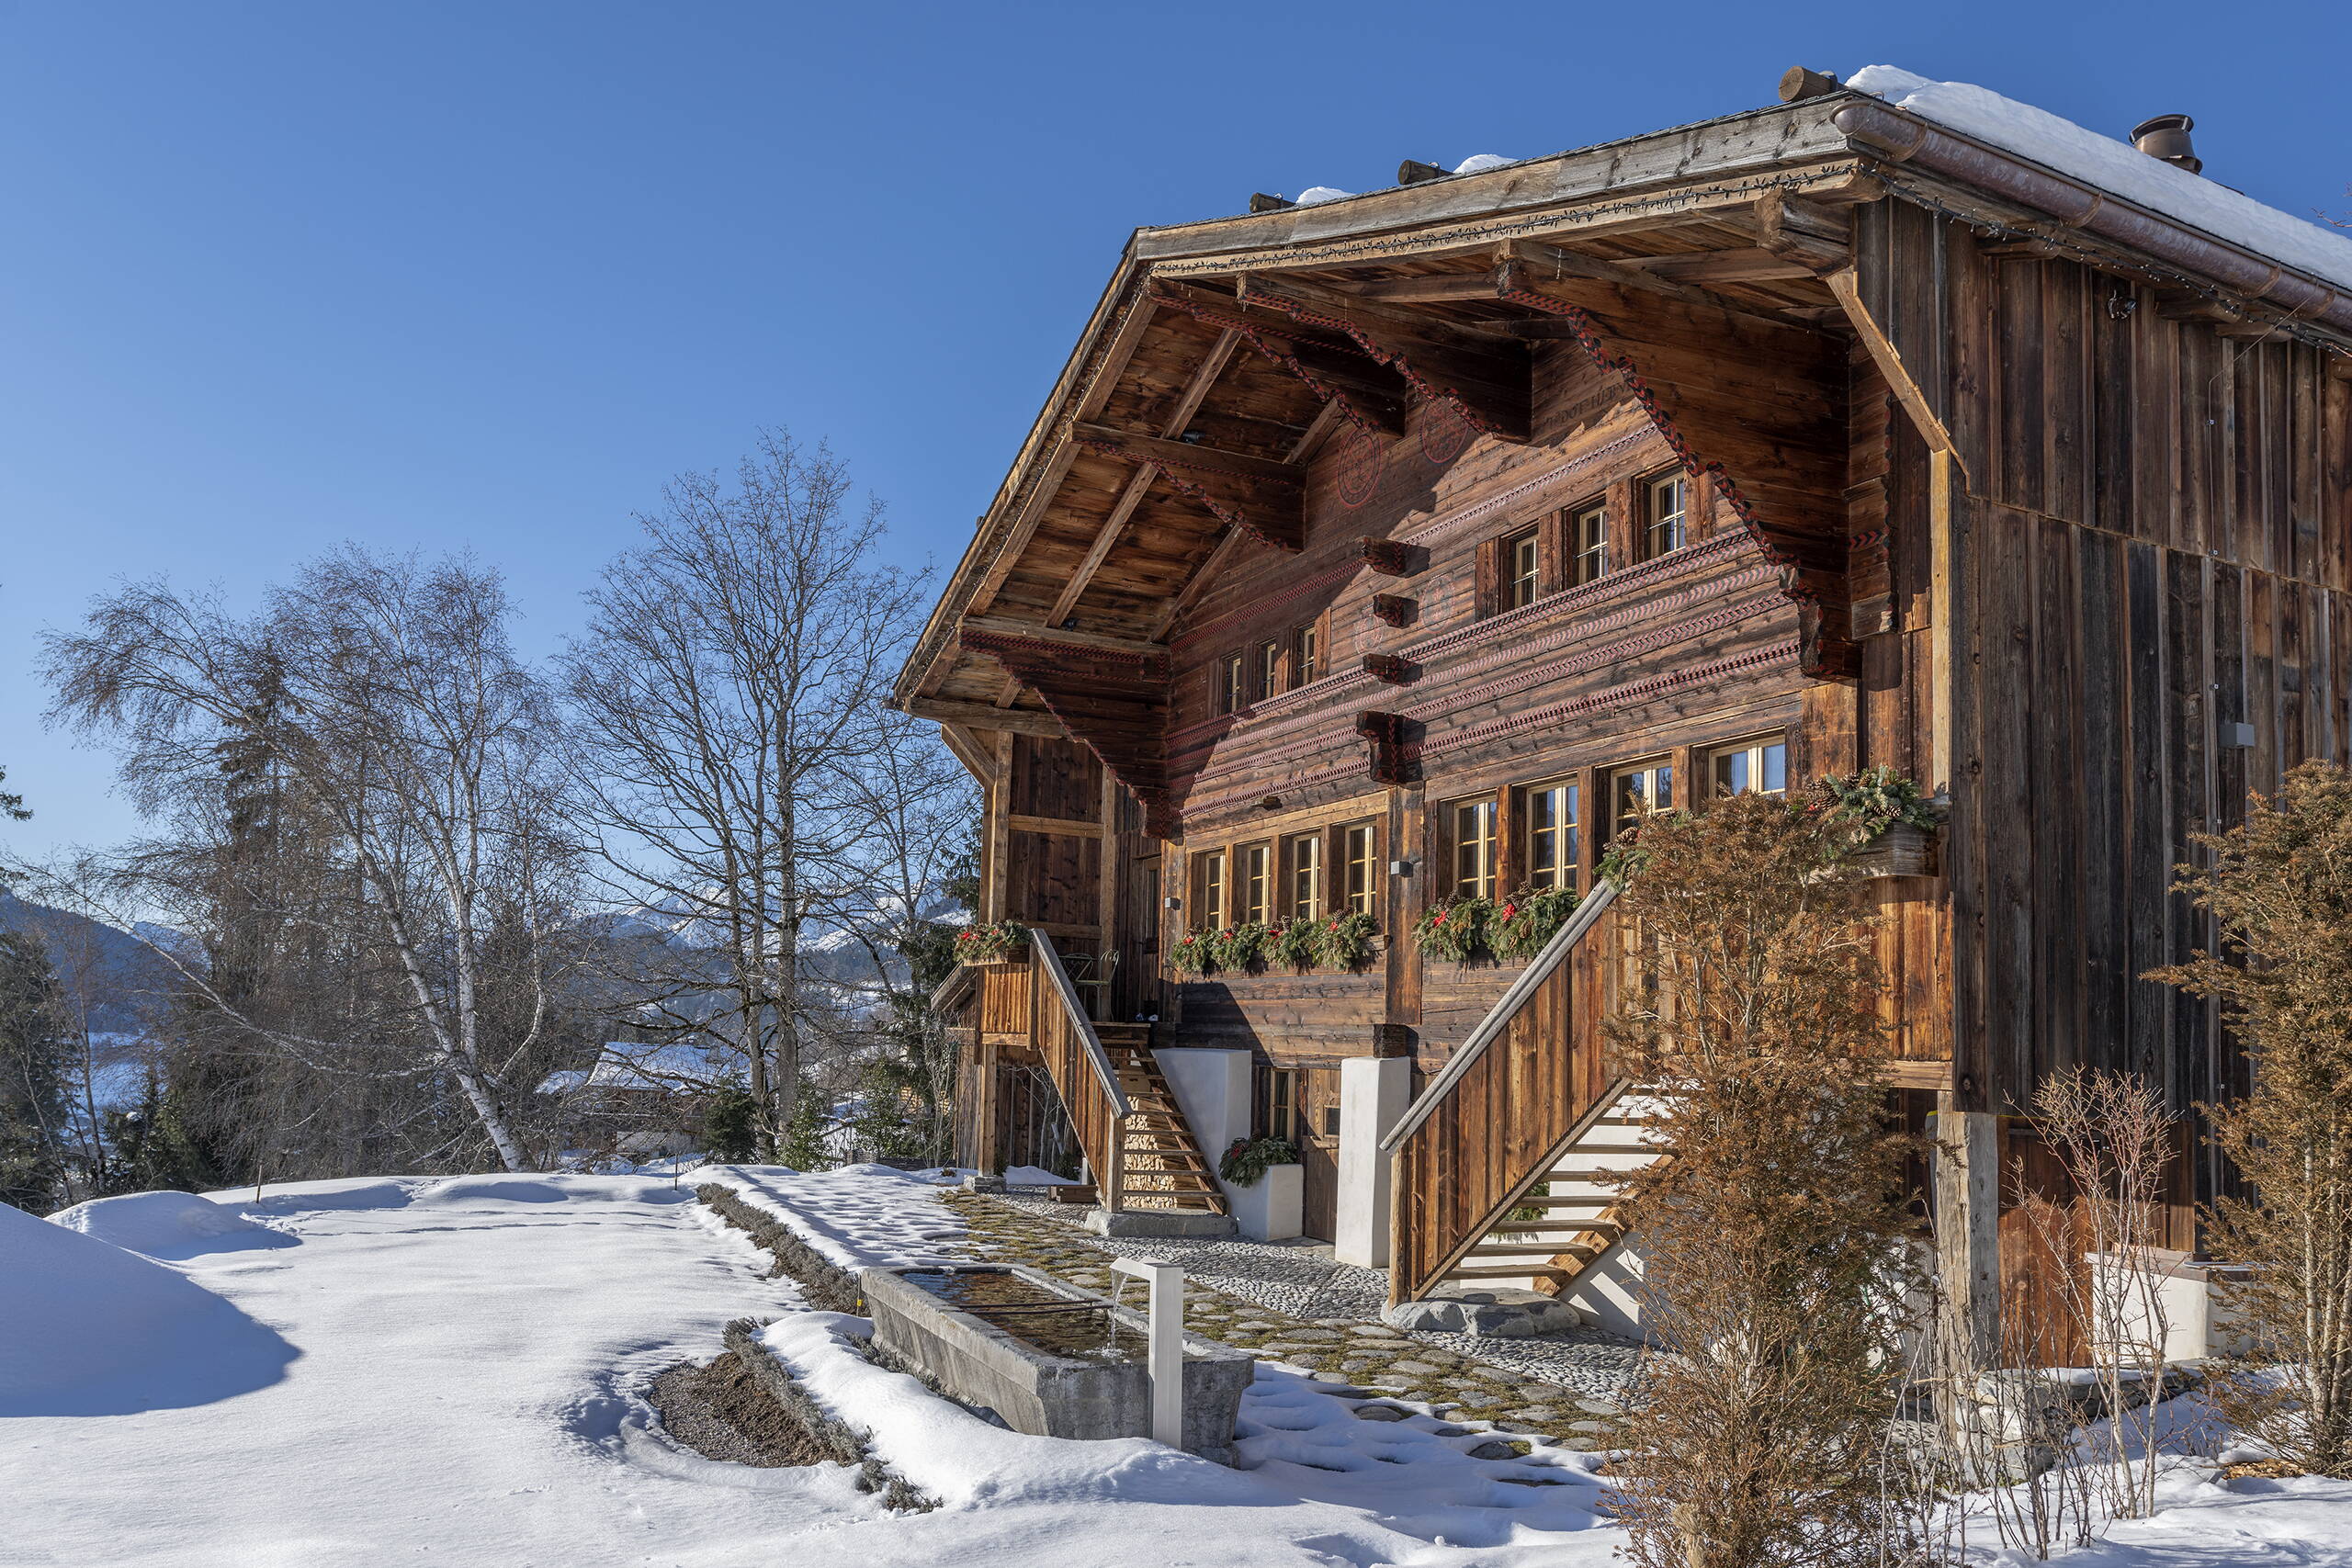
(1272, 1208)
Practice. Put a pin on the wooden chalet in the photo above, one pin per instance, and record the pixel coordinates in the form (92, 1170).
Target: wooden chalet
(1381, 550)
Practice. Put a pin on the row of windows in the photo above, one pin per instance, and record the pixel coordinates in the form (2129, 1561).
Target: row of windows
(1275, 665)
(1663, 502)
(1331, 871)
(1302, 877)
(1551, 815)
(1522, 571)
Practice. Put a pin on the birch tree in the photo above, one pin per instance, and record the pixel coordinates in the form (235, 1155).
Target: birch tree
(727, 697)
(387, 693)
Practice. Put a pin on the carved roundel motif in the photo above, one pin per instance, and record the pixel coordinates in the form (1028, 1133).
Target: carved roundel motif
(1444, 433)
(1361, 462)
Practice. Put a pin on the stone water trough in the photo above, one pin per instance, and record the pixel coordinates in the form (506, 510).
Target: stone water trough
(1045, 1356)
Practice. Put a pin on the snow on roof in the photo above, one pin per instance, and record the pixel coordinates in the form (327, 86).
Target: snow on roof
(631, 1064)
(2114, 167)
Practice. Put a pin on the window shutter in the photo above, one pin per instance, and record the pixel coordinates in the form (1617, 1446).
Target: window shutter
(1559, 545)
(1489, 578)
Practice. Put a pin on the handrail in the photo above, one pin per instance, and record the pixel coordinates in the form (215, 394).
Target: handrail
(1554, 953)
(1067, 993)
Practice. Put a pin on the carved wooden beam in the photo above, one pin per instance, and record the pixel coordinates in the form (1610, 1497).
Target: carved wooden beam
(980, 716)
(1393, 609)
(1749, 265)
(1389, 668)
(1389, 557)
(1368, 397)
(1139, 447)
(981, 629)
(1485, 381)
(1263, 498)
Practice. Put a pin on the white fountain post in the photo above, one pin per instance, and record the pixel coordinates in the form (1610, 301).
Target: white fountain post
(1164, 1332)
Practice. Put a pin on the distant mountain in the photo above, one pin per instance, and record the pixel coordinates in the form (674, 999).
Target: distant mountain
(112, 974)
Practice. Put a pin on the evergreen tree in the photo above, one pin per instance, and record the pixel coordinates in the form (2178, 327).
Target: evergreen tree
(731, 1128)
(804, 1135)
(35, 1064)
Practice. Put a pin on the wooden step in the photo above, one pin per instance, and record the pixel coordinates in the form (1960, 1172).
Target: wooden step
(1509, 1272)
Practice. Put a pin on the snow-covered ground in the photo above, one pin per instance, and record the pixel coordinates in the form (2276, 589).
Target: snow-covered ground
(378, 1372)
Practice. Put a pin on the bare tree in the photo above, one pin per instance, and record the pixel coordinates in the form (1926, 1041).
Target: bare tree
(388, 696)
(727, 695)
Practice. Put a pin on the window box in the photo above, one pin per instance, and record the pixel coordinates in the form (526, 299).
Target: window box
(1900, 850)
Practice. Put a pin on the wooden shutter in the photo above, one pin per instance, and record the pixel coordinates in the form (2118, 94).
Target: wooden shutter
(1557, 547)
(1490, 586)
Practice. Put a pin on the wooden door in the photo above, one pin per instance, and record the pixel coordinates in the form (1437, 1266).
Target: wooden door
(1319, 1149)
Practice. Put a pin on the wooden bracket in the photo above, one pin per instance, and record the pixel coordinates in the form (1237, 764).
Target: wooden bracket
(1389, 558)
(1387, 667)
(1394, 609)
(1383, 736)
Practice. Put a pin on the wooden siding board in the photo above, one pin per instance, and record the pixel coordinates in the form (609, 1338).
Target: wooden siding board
(2103, 853)
(2148, 860)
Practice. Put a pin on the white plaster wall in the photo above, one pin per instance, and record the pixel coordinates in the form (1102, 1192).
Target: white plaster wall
(1374, 1093)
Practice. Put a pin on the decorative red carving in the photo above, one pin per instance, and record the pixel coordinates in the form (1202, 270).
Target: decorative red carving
(1387, 667)
(1393, 608)
(1389, 558)
(1383, 736)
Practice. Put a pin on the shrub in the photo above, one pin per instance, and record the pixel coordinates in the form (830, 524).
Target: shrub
(1455, 929)
(985, 943)
(1245, 1163)
(2279, 888)
(1776, 1237)
(1344, 942)
(1528, 919)
(1293, 943)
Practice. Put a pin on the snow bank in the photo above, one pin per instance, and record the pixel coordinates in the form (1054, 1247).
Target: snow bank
(2116, 166)
(89, 1329)
(1030, 1175)
(861, 1217)
(175, 1226)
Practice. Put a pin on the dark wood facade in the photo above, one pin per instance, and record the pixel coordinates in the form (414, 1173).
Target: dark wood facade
(1302, 548)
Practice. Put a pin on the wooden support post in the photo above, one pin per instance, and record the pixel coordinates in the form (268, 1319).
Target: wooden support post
(1943, 576)
(994, 873)
(1968, 1237)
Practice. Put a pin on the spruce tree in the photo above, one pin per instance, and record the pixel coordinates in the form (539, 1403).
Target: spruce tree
(35, 1064)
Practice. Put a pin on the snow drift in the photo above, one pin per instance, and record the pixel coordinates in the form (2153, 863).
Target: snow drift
(88, 1329)
(174, 1226)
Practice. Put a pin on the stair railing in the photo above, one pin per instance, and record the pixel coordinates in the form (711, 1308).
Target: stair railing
(1479, 1136)
(1554, 953)
(1080, 1070)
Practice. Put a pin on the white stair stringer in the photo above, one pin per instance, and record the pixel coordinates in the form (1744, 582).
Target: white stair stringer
(1577, 1247)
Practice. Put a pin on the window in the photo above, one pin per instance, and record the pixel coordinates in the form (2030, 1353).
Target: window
(1306, 654)
(1523, 569)
(1232, 692)
(1268, 675)
(1634, 790)
(1588, 544)
(1552, 844)
(1761, 767)
(1330, 1120)
(1302, 858)
(1251, 887)
(1665, 501)
(1474, 848)
(1282, 1103)
(1359, 864)
(1208, 889)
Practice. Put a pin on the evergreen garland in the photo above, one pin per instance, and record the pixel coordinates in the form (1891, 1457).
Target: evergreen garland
(1455, 929)
(1528, 919)
(1344, 942)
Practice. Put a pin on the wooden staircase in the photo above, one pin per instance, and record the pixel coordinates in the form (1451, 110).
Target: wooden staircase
(1161, 1164)
(1572, 1214)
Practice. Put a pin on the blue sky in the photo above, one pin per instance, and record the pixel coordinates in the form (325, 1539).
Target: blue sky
(481, 276)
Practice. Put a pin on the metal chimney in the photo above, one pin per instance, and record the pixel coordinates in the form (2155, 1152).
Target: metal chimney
(2166, 137)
